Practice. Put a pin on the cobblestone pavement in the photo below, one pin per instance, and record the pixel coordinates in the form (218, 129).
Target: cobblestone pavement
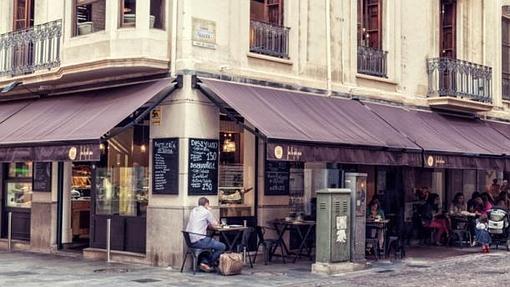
(475, 269)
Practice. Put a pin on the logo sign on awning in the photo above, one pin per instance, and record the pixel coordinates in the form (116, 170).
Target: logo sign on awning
(156, 116)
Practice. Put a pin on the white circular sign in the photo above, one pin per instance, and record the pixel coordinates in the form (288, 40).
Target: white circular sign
(72, 153)
(278, 152)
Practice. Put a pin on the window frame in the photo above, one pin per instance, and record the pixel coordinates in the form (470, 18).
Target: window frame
(453, 48)
(123, 24)
(364, 17)
(74, 16)
(16, 179)
(28, 20)
(505, 46)
(162, 14)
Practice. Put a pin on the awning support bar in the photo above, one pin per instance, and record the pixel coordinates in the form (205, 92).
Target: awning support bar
(176, 84)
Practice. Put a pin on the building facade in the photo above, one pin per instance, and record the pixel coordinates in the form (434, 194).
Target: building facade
(446, 55)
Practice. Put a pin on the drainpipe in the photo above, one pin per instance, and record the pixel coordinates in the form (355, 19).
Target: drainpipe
(173, 56)
(328, 45)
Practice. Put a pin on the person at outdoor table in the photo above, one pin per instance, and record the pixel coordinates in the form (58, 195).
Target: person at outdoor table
(200, 219)
(495, 188)
(458, 207)
(488, 203)
(503, 196)
(375, 213)
(434, 218)
(471, 204)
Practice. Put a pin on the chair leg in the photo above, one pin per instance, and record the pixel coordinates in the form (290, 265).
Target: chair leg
(194, 264)
(184, 261)
(264, 253)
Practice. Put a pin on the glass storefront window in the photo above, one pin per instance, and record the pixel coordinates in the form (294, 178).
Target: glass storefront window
(19, 194)
(20, 169)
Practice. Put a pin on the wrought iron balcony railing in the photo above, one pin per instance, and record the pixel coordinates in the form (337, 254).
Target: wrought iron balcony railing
(269, 39)
(26, 51)
(459, 79)
(372, 61)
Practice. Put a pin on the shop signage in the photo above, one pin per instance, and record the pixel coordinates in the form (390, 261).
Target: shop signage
(277, 176)
(203, 167)
(435, 161)
(41, 179)
(156, 116)
(290, 153)
(204, 33)
(82, 153)
(165, 166)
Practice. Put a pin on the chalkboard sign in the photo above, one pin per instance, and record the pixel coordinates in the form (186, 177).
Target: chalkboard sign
(165, 166)
(277, 178)
(203, 167)
(41, 179)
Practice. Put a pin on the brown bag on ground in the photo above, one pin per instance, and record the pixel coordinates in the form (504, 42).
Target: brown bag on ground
(231, 264)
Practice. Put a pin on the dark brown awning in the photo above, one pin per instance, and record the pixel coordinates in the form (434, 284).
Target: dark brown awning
(448, 141)
(315, 127)
(53, 128)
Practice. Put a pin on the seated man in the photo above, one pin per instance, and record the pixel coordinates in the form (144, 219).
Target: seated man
(200, 219)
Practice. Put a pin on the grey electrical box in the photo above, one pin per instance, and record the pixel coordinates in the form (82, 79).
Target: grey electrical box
(357, 183)
(333, 225)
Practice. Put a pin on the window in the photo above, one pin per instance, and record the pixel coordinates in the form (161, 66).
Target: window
(127, 13)
(23, 14)
(447, 33)
(505, 42)
(122, 182)
(89, 16)
(268, 36)
(19, 185)
(370, 23)
(371, 57)
(157, 17)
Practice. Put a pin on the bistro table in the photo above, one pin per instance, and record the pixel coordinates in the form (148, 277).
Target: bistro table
(223, 232)
(282, 226)
(380, 225)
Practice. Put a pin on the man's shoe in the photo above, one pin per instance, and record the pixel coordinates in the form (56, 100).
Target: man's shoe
(206, 268)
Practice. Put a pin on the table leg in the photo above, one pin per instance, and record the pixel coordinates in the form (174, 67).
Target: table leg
(280, 243)
(303, 242)
(229, 244)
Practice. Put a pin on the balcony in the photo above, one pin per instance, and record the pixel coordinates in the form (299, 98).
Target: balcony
(459, 85)
(27, 51)
(268, 39)
(372, 61)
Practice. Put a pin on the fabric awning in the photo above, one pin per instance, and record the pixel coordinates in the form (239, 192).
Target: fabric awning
(45, 129)
(447, 141)
(310, 127)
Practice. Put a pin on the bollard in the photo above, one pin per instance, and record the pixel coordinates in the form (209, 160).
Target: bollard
(108, 239)
(9, 231)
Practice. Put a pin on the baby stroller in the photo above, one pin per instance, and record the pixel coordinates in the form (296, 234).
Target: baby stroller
(498, 227)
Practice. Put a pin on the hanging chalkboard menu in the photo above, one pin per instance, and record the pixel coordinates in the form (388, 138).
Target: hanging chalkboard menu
(277, 178)
(41, 179)
(203, 167)
(165, 166)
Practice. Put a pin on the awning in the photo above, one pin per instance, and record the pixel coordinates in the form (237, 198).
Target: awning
(69, 127)
(448, 141)
(302, 126)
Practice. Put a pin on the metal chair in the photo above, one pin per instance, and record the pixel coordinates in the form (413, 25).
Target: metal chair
(194, 252)
(268, 245)
(460, 232)
(244, 245)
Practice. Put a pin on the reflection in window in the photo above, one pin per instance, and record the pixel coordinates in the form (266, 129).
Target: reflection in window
(128, 13)
(122, 186)
(20, 169)
(19, 194)
(89, 16)
(157, 17)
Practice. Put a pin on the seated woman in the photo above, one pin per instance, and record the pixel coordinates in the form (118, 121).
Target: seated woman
(433, 218)
(375, 213)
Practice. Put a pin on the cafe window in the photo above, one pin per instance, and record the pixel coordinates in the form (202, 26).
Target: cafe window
(19, 185)
(157, 16)
(127, 13)
(122, 183)
(89, 16)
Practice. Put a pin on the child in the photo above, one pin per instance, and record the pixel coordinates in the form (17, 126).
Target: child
(482, 235)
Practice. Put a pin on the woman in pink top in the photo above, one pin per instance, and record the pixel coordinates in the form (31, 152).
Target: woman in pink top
(487, 202)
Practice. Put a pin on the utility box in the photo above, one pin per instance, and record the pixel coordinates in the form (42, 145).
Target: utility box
(357, 184)
(333, 225)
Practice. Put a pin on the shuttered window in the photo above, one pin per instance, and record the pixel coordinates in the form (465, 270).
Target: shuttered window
(23, 14)
(448, 34)
(505, 61)
(370, 23)
(267, 11)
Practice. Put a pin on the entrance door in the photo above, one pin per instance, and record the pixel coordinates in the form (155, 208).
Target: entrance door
(17, 199)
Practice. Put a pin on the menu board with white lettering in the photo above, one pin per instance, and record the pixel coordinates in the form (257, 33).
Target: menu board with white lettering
(203, 167)
(165, 166)
(41, 180)
(277, 178)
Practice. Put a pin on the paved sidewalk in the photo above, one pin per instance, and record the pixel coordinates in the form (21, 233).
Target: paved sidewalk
(473, 269)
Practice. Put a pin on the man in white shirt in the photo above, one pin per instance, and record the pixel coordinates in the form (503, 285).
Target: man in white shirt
(200, 219)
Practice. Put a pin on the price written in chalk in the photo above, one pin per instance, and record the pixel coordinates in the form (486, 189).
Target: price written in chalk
(203, 167)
